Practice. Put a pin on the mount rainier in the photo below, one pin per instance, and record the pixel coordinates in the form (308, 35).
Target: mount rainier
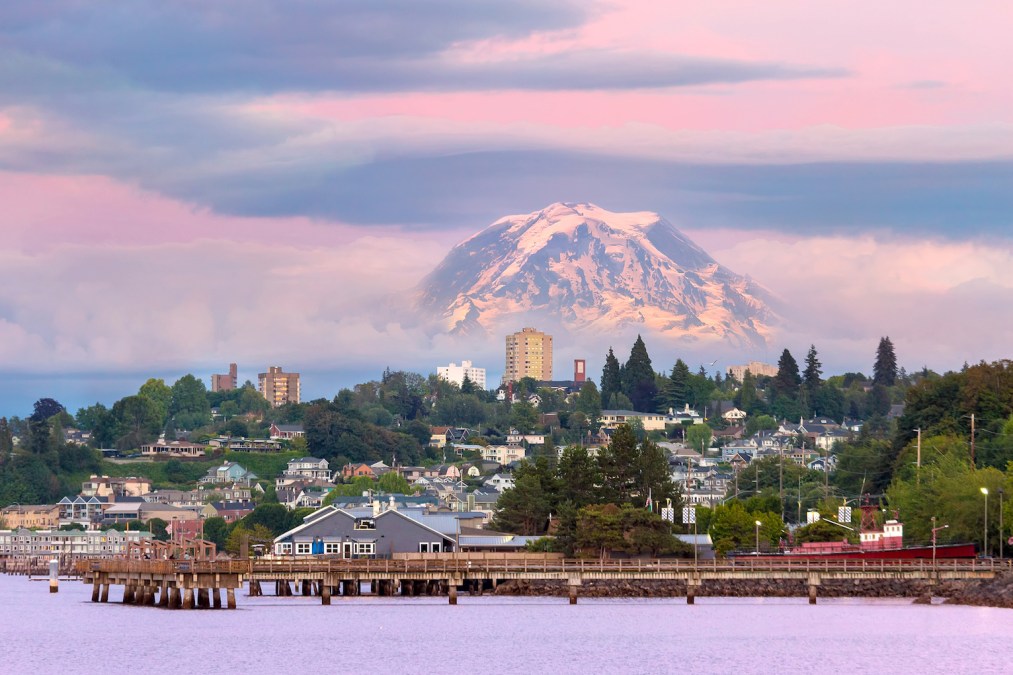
(587, 268)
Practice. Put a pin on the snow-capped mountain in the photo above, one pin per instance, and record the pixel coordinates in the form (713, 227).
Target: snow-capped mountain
(591, 269)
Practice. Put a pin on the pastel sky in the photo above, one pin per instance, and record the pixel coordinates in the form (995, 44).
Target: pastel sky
(187, 184)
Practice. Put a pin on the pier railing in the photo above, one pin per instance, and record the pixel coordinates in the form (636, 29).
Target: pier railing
(450, 566)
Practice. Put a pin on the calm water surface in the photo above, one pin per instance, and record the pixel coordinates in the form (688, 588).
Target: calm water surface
(44, 633)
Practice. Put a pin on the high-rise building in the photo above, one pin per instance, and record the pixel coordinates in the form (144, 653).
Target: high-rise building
(279, 387)
(226, 382)
(528, 354)
(455, 373)
(579, 370)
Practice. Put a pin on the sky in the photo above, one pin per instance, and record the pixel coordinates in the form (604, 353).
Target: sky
(188, 184)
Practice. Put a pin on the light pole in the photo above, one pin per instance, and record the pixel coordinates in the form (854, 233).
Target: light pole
(934, 530)
(1001, 535)
(758, 523)
(984, 543)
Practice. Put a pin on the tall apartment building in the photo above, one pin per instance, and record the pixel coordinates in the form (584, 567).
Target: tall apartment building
(755, 367)
(455, 373)
(528, 354)
(279, 387)
(226, 382)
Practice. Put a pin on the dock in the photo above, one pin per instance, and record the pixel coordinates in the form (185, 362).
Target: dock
(193, 584)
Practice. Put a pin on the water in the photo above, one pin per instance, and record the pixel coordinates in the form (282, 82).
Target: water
(66, 632)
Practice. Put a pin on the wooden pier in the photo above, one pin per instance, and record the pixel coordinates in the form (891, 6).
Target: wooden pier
(190, 584)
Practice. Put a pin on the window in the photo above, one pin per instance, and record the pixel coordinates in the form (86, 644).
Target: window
(302, 548)
(332, 548)
(285, 549)
(424, 547)
(365, 548)
(435, 547)
(365, 524)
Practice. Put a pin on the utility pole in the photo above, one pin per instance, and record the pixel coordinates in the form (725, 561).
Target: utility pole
(918, 470)
(972, 442)
(780, 477)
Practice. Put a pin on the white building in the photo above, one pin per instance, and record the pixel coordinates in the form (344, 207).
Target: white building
(455, 373)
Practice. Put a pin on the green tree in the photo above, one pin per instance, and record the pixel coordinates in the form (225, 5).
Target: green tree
(885, 369)
(216, 530)
(638, 378)
(524, 509)
(523, 416)
(6, 441)
(394, 483)
(811, 379)
(189, 405)
(88, 419)
(786, 382)
(698, 437)
(158, 529)
(611, 383)
(579, 477)
(745, 397)
(760, 423)
(275, 517)
(676, 392)
(137, 422)
(160, 394)
(589, 403)
(256, 534)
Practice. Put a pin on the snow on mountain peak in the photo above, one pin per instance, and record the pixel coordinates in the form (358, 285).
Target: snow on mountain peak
(593, 269)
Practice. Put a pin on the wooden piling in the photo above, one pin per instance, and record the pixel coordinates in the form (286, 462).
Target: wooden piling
(187, 598)
(325, 595)
(231, 598)
(216, 598)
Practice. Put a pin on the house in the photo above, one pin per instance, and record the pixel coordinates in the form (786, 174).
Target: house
(252, 445)
(356, 470)
(503, 454)
(173, 449)
(685, 416)
(229, 472)
(500, 482)
(104, 486)
(612, 419)
(286, 432)
(381, 534)
(308, 467)
(514, 438)
(734, 416)
(448, 471)
(81, 510)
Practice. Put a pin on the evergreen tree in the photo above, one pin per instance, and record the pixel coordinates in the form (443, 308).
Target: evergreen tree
(638, 378)
(6, 441)
(467, 386)
(745, 397)
(610, 378)
(811, 380)
(589, 403)
(189, 405)
(677, 391)
(885, 369)
(787, 380)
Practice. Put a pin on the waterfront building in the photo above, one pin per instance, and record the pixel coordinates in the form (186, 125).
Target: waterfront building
(279, 387)
(528, 354)
(104, 486)
(456, 374)
(228, 473)
(286, 432)
(68, 543)
(38, 516)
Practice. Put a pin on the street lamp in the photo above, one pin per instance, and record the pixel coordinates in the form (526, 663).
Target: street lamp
(1001, 535)
(934, 530)
(758, 523)
(984, 543)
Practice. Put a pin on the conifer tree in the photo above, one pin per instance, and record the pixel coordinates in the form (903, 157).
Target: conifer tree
(811, 379)
(611, 382)
(885, 369)
(787, 380)
(676, 392)
(638, 378)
